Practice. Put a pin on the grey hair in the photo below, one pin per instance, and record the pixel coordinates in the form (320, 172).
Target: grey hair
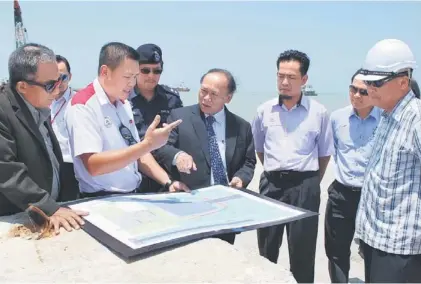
(24, 62)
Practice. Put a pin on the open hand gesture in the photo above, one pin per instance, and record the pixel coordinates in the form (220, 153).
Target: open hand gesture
(158, 137)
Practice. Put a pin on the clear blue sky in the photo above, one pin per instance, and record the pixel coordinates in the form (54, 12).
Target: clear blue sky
(244, 37)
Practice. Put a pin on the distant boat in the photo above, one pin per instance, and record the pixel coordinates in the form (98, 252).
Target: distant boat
(308, 90)
(182, 88)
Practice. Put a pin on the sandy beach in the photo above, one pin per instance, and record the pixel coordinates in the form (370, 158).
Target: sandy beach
(248, 240)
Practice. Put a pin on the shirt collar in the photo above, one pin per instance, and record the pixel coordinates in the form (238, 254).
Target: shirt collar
(374, 113)
(303, 101)
(100, 93)
(136, 93)
(398, 110)
(219, 116)
(39, 115)
(67, 94)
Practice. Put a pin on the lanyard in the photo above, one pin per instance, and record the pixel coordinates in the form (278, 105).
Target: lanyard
(57, 113)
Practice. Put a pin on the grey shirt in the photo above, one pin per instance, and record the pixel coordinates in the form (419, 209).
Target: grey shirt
(40, 116)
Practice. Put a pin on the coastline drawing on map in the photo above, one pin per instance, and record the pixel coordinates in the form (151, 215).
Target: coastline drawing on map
(137, 223)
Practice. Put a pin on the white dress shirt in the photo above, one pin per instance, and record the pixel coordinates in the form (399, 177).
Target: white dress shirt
(58, 109)
(94, 126)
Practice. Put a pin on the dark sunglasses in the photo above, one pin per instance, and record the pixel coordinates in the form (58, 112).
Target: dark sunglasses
(354, 90)
(127, 135)
(49, 86)
(146, 71)
(381, 82)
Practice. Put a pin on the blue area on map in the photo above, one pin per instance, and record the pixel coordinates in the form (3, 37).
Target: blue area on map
(182, 209)
(206, 210)
(192, 208)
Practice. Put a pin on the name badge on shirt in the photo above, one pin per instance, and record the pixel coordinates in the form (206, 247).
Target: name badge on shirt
(273, 120)
(107, 122)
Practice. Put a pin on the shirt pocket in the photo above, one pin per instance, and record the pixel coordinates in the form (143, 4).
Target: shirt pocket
(391, 162)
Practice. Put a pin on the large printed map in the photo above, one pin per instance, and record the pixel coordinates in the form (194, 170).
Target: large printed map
(139, 220)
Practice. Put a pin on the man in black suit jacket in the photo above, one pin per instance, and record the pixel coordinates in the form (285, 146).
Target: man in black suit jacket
(212, 145)
(30, 156)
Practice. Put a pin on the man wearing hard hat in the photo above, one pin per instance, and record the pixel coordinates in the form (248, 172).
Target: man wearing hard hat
(388, 221)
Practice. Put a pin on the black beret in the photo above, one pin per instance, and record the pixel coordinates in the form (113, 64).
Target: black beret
(149, 53)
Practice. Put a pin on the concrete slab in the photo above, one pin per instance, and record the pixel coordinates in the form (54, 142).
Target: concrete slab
(77, 257)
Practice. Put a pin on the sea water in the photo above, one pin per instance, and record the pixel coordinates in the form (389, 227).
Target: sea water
(245, 104)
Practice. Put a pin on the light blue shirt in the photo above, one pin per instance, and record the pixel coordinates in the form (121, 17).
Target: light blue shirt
(353, 140)
(292, 139)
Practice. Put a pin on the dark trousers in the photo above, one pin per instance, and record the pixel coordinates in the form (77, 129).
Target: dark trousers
(300, 189)
(341, 210)
(383, 267)
(149, 185)
(72, 186)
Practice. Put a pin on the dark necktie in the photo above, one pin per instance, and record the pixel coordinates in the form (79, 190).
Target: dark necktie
(217, 166)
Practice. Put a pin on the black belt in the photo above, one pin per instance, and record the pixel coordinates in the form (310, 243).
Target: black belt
(347, 187)
(292, 174)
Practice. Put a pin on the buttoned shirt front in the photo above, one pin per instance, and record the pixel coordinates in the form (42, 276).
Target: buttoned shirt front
(292, 139)
(389, 213)
(58, 109)
(94, 124)
(353, 140)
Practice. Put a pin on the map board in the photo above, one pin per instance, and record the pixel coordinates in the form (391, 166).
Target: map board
(133, 224)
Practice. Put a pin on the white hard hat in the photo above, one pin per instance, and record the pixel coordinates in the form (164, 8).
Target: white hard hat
(385, 58)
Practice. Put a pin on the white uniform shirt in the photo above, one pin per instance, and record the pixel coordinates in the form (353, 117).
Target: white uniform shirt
(58, 109)
(93, 124)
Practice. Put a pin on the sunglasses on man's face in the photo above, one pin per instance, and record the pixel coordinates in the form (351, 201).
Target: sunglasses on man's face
(381, 82)
(49, 86)
(354, 90)
(146, 71)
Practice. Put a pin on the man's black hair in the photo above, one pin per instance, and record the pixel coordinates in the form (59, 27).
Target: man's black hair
(295, 55)
(232, 85)
(113, 53)
(60, 58)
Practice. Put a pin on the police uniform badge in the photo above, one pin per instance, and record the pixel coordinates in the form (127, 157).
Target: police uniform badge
(156, 56)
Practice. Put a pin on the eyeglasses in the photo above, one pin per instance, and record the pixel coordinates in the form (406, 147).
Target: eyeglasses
(389, 77)
(354, 90)
(49, 86)
(65, 77)
(381, 82)
(127, 135)
(155, 71)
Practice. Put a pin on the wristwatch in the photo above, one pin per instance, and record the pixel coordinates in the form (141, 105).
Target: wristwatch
(168, 184)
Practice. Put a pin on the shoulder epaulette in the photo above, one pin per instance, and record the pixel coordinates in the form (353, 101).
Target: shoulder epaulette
(170, 90)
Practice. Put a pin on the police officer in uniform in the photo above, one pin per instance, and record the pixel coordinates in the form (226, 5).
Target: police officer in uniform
(150, 98)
